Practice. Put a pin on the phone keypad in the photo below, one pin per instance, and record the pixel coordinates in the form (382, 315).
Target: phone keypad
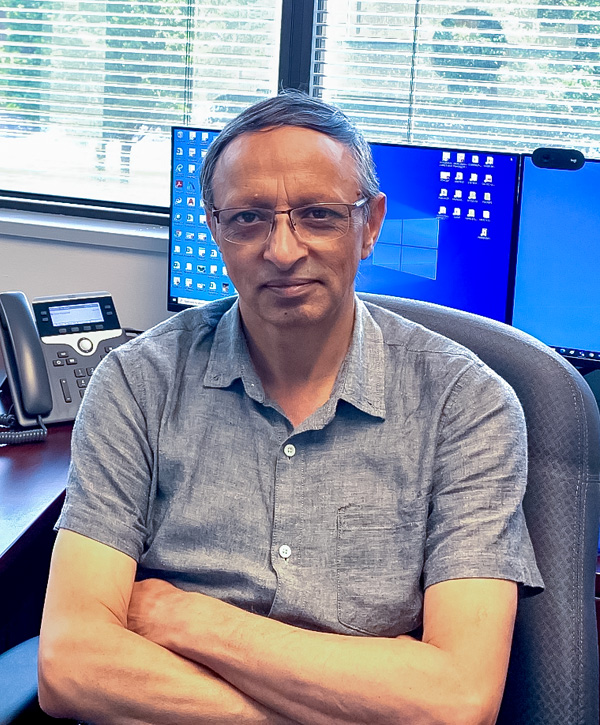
(80, 376)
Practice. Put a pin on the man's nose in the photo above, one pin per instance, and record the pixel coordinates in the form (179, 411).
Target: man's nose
(283, 247)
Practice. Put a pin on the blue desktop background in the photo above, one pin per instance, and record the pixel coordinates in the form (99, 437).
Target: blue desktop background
(473, 272)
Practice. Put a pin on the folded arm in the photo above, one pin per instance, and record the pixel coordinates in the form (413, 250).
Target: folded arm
(455, 675)
(91, 667)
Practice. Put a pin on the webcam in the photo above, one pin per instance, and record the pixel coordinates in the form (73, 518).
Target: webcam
(566, 159)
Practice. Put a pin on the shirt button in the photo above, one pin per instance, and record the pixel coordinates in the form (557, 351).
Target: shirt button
(290, 450)
(284, 551)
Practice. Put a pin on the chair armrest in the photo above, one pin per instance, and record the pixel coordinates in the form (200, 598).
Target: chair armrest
(18, 679)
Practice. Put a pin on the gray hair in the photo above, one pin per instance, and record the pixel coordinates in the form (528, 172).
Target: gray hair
(293, 108)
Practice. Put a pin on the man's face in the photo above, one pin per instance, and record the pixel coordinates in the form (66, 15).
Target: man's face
(287, 281)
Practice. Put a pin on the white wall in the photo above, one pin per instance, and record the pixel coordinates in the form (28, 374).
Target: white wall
(136, 278)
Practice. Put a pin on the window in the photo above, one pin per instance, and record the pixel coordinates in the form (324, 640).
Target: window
(489, 74)
(89, 90)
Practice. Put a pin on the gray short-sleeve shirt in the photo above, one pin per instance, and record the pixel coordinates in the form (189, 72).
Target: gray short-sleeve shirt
(412, 473)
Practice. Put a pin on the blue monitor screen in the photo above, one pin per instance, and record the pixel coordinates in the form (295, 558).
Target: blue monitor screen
(558, 261)
(446, 238)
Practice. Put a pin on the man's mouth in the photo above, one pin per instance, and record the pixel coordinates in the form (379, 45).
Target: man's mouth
(290, 285)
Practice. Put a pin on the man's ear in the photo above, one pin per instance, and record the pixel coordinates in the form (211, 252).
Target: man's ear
(373, 225)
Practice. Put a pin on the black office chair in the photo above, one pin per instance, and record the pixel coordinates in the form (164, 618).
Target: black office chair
(553, 673)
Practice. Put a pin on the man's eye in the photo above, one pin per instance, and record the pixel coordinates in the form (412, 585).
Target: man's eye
(247, 216)
(320, 213)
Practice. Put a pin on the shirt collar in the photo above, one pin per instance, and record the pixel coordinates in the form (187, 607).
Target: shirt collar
(361, 381)
(230, 359)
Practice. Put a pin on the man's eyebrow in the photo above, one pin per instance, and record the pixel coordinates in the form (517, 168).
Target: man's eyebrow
(263, 203)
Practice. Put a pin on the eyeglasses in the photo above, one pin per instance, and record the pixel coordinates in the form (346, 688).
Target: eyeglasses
(320, 222)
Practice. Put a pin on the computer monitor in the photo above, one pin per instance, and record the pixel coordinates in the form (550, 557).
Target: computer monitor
(448, 233)
(558, 261)
(446, 238)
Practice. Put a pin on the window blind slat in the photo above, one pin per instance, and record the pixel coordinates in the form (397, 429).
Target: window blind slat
(506, 75)
(95, 86)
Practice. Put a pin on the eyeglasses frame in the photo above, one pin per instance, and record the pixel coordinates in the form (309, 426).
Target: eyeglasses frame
(351, 207)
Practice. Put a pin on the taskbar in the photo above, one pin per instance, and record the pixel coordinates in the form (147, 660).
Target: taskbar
(579, 356)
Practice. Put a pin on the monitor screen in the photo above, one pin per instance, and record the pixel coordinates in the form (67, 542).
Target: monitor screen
(558, 261)
(448, 233)
(446, 238)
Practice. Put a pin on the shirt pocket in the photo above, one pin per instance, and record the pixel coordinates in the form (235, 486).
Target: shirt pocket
(379, 559)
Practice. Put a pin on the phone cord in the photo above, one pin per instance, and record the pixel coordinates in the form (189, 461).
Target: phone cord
(15, 437)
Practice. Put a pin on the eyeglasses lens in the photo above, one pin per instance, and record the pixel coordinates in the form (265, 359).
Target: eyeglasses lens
(318, 223)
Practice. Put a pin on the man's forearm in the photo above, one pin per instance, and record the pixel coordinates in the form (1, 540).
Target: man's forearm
(326, 679)
(107, 674)
(313, 677)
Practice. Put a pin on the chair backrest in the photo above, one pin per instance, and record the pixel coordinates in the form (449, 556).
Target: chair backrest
(553, 672)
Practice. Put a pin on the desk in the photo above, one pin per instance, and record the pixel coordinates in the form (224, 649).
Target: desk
(32, 482)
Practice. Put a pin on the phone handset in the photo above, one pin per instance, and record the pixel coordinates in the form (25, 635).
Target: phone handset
(25, 366)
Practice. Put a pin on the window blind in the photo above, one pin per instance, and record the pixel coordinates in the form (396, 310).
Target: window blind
(89, 90)
(492, 74)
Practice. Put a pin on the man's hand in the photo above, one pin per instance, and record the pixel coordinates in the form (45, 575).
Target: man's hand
(152, 608)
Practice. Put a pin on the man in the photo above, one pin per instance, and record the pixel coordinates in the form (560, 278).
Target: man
(292, 507)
